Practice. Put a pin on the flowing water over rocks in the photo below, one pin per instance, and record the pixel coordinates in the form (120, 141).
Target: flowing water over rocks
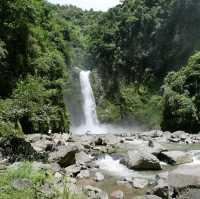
(97, 161)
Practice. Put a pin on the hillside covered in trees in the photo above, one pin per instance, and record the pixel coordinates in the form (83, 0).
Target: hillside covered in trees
(139, 61)
(144, 55)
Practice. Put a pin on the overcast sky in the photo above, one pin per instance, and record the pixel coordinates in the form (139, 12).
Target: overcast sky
(102, 5)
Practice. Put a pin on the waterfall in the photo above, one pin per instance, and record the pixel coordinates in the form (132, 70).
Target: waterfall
(89, 106)
(91, 124)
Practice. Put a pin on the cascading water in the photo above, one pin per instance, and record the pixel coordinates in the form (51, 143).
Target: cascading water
(91, 124)
(89, 106)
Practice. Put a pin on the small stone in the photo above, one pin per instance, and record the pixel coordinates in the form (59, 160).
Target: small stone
(99, 176)
(58, 175)
(140, 183)
(84, 174)
(94, 193)
(117, 195)
(72, 170)
(21, 184)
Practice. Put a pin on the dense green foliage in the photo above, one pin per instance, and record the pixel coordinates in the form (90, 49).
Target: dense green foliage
(136, 44)
(131, 49)
(34, 54)
(182, 98)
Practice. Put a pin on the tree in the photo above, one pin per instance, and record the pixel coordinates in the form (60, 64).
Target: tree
(182, 98)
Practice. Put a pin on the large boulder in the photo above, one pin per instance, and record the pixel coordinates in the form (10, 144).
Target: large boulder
(82, 158)
(139, 160)
(94, 193)
(184, 182)
(42, 145)
(64, 155)
(175, 157)
(18, 149)
(185, 176)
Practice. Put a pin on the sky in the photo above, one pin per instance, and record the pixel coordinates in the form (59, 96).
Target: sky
(97, 5)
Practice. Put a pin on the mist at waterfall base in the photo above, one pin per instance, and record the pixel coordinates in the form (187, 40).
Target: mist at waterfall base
(90, 123)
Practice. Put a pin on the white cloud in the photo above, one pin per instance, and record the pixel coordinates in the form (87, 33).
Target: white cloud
(88, 4)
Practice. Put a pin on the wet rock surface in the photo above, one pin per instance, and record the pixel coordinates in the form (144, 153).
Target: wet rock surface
(74, 157)
(175, 157)
(140, 160)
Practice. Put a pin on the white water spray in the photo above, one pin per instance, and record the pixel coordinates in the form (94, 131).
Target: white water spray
(91, 123)
(89, 106)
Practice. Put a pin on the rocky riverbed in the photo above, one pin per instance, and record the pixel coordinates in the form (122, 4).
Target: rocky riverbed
(145, 165)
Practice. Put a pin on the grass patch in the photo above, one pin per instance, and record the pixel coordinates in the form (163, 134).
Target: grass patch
(38, 178)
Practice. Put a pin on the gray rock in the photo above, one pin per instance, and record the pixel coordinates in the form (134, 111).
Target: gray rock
(37, 166)
(124, 183)
(21, 184)
(174, 140)
(162, 189)
(72, 170)
(111, 139)
(82, 158)
(47, 190)
(99, 177)
(155, 148)
(60, 138)
(36, 137)
(175, 157)
(65, 155)
(185, 182)
(100, 142)
(1, 156)
(186, 193)
(139, 160)
(140, 183)
(74, 189)
(42, 145)
(185, 176)
(147, 197)
(117, 195)
(94, 193)
(83, 174)
(58, 176)
(55, 167)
